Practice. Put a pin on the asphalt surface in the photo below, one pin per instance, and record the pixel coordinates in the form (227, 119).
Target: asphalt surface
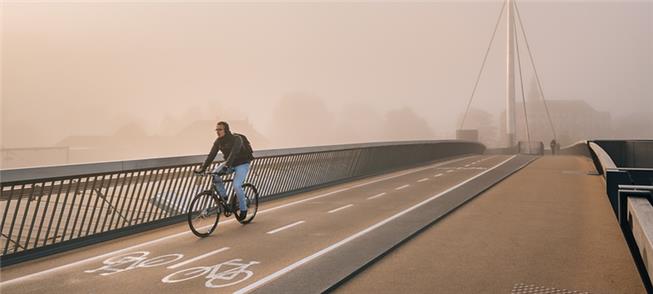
(287, 234)
(549, 228)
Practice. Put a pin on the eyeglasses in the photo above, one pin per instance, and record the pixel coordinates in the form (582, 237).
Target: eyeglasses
(219, 129)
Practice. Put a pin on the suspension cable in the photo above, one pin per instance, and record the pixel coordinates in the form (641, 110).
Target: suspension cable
(521, 83)
(478, 78)
(537, 76)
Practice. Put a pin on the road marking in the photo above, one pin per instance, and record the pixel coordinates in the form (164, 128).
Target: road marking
(376, 196)
(217, 276)
(450, 171)
(133, 261)
(423, 180)
(340, 208)
(315, 255)
(199, 257)
(438, 175)
(362, 185)
(286, 227)
(119, 251)
(402, 187)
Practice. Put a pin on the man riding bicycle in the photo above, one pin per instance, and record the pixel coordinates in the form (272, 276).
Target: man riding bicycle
(238, 154)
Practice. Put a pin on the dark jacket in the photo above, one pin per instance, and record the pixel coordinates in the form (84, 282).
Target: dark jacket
(232, 149)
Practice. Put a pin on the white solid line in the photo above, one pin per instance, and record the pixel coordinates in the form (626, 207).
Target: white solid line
(402, 187)
(340, 208)
(423, 180)
(362, 185)
(438, 175)
(199, 257)
(376, 196)
(93, 258)
(286, 227)
(352, 237)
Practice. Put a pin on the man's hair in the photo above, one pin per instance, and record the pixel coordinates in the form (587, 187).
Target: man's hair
(225, 125)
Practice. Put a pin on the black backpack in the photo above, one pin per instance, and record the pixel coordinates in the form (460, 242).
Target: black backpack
(247, 147)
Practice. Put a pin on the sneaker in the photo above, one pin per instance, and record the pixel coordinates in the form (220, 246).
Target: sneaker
(242, 215)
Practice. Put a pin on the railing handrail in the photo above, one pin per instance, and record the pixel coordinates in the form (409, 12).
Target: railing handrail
(57, 171)
(604, 159)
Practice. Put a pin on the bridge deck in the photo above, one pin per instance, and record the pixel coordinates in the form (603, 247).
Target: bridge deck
(547, 226)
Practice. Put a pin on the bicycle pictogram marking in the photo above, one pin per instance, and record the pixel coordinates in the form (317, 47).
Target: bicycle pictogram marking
(133, 260)
(224, 274)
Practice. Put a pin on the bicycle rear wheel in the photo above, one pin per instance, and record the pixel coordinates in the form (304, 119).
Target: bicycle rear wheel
(204, 213)
(252, 203)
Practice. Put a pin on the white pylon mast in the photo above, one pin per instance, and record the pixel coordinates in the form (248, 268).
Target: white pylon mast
(510, 83)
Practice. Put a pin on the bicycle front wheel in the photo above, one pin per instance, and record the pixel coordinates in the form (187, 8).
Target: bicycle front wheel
(204, 213)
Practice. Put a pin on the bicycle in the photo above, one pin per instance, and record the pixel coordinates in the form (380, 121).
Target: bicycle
(205, 208)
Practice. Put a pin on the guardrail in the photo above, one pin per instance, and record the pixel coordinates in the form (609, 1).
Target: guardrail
(629, 191)
(601, 158)
(636, 220)
(629, 153)
(531, 147)
(51, 209)
(615, 175)
(578, 148)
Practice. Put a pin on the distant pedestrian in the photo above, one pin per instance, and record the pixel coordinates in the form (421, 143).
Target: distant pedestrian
(554, 147)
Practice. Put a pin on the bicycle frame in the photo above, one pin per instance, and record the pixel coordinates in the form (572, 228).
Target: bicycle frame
(230, 192)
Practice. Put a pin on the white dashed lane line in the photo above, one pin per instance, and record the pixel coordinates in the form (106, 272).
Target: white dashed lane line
(376, 196)
(340, 208)
(423, 180)
(402, 187)
(286, 227)
(438, 175)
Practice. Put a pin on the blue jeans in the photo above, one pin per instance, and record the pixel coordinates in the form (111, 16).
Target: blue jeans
(239, 178)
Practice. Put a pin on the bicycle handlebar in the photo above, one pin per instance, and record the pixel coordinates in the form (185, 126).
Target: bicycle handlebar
(204, 173)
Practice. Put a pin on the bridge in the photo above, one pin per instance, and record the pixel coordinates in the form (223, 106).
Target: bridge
(426, 216)
(448, 216)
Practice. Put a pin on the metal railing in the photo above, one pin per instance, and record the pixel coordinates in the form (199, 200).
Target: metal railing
(629, 153)
(69, 206)
(636, 220)
(629, 191)
(530, 147)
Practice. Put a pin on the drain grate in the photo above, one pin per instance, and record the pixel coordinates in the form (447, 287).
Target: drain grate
(534, 289)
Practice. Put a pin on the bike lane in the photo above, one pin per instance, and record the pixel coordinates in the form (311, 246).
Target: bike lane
(235, 253)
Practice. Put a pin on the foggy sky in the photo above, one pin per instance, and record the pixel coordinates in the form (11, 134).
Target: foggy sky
(87, 68)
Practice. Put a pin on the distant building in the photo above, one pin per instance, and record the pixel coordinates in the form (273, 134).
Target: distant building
(33, 156)
(573, 120)
(132, 142)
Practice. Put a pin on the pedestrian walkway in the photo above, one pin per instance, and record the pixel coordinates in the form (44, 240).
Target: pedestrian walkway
(548, 227)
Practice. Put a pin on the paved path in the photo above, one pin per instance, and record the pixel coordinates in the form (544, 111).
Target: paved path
(547, 227)
(286, 235)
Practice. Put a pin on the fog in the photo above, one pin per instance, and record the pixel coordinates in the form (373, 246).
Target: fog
(119, 80)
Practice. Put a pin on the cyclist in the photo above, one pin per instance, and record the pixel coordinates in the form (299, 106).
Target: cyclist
(238, 154)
